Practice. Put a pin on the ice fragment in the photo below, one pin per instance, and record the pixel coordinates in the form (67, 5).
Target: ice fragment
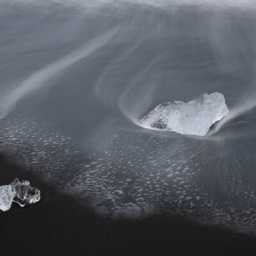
(6, 197)
(192, 118)
(25, 194)
(20, 192)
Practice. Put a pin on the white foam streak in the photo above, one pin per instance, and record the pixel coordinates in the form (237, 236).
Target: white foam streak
(143, 99)
(234, 113)
(41, 77)
(94, 4)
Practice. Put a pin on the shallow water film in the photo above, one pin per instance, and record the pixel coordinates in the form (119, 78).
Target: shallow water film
(77, 76)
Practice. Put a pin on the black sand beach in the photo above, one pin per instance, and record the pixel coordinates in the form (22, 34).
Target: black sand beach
(57, 225)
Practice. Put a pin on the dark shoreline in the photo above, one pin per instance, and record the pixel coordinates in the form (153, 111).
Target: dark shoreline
(58, 225)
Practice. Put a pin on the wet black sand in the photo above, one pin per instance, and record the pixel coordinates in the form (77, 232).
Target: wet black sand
(58, 225)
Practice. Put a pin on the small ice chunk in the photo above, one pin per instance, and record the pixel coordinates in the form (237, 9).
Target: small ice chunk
(25, 194)
(192, 118)
(6, 197)
(19, 192)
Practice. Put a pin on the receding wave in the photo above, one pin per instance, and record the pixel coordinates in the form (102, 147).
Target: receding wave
(77, 76)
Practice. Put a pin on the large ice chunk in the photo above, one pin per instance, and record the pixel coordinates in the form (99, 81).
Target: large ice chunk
(6, 197)
(25, 194)
(193, 118)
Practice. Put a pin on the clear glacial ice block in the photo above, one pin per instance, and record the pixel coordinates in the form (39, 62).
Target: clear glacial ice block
(24, 193)
(192, 118)
(6, 197)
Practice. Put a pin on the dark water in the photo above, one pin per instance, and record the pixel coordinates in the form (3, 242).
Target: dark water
(76, 77)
